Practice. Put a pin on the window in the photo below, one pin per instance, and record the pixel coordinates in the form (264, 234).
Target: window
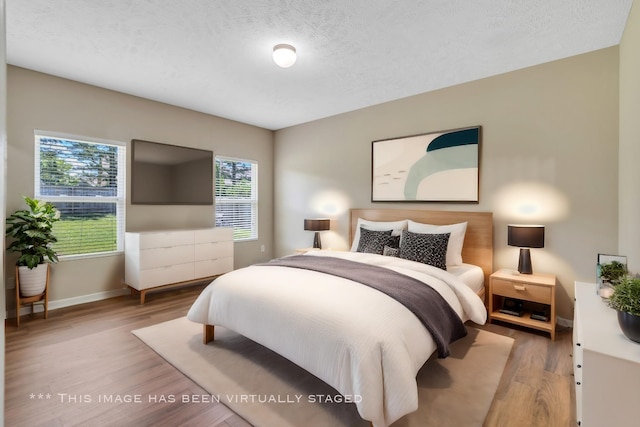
(85, 180)
(236, 189)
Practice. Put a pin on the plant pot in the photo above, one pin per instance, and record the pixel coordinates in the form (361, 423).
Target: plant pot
(33, 281)
(630, 325)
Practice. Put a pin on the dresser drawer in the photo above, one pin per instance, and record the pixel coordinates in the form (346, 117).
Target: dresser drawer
(166, 239)
(210, 235)
(524, 291)
(205, 251)
(159, 257)
(213, 267)
(165, 275)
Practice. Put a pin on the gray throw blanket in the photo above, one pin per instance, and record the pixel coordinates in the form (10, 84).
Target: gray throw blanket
(427, 304)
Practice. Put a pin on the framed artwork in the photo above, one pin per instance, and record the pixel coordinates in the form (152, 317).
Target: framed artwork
(610, 269)
(432, 167)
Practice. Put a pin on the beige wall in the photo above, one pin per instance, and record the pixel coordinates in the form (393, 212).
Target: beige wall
(549, 155)
(43, 102)
(629, 179)
(3, 154)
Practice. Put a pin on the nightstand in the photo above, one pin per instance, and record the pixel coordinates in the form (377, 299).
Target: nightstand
(534, 290)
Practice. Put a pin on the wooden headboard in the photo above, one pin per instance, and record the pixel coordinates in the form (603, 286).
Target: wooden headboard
(478, 240)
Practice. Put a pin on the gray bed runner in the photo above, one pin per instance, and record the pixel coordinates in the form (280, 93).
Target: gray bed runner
(427, 304)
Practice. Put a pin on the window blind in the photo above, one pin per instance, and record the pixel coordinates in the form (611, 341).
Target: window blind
(85, 180)
(236, 190)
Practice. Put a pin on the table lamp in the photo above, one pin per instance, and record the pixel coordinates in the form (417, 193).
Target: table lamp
(525, 237)
(317, 225)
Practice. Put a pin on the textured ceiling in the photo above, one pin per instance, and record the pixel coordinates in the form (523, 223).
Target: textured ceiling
(214, 56)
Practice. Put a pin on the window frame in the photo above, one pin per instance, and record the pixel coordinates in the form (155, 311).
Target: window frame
(253, 202)
(120, 199)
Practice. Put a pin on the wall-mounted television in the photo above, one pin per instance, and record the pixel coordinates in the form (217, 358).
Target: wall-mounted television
(163, 174)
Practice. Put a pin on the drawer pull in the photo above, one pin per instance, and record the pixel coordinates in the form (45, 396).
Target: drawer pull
(519, 287)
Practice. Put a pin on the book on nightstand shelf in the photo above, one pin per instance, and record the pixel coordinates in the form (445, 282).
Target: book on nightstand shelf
(512, 306)
(540, 315)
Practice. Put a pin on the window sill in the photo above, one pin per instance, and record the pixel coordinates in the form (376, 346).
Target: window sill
(65, 258)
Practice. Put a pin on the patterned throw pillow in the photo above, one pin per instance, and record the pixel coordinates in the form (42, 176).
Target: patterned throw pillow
(426, 248)
(456, 239)
(373, 241)
(394, 242)
(389, 251)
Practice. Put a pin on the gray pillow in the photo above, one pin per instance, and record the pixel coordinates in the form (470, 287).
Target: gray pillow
(425, 248)
(389, 251)
(373, 241)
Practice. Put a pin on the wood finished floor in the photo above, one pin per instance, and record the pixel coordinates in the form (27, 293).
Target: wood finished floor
(86, 353)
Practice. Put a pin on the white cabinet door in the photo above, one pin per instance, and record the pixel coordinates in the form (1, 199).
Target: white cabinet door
(577, 361)
(609, 389)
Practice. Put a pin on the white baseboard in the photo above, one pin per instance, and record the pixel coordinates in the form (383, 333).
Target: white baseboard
(68, 302)
(561, 321)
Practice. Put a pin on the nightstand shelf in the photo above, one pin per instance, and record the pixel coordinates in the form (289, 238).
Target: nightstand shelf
(531, 289)
(524, 320)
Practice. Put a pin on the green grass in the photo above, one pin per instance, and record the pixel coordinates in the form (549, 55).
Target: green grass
(241, 233)
(82, 236)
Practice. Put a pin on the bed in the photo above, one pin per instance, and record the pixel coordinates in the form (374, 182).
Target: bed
(356, 338)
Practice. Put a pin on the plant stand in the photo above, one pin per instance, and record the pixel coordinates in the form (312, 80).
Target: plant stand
(31, 300)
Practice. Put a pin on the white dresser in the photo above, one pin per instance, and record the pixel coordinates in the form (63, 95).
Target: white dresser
(155, 259)
(606, 364)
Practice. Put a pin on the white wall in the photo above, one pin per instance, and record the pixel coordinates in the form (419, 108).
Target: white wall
(549, 154)
(629, 179)
(3, 184)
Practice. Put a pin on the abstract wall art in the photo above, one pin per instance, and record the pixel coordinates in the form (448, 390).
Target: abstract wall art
(433, 167)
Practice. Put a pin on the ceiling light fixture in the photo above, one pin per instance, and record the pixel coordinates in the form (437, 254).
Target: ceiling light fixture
(284, 55)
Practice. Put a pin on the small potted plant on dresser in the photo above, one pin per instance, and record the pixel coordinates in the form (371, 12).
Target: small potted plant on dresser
(31, 231)
(626, 301)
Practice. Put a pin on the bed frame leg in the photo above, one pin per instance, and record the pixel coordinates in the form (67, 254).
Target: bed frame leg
(207, 333)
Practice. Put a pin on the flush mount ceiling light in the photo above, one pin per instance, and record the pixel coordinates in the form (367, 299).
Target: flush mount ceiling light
(284, 55)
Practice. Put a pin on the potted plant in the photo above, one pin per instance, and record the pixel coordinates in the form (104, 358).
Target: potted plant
(626, 300)
(31, 231)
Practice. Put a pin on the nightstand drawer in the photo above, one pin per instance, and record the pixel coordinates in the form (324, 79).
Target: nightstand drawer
(523, 291)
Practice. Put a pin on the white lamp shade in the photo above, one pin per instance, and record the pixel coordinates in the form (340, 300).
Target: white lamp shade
(284, 55)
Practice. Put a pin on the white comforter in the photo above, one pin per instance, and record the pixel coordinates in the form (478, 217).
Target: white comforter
(358, 340)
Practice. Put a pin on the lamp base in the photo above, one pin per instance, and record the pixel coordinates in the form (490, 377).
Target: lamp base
(316, 241)
(524, 263)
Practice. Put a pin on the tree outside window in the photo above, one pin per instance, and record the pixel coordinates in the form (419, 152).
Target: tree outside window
(236, 190)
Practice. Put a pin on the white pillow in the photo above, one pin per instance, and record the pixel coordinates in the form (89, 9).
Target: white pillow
(456, 239)
(396, 226)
